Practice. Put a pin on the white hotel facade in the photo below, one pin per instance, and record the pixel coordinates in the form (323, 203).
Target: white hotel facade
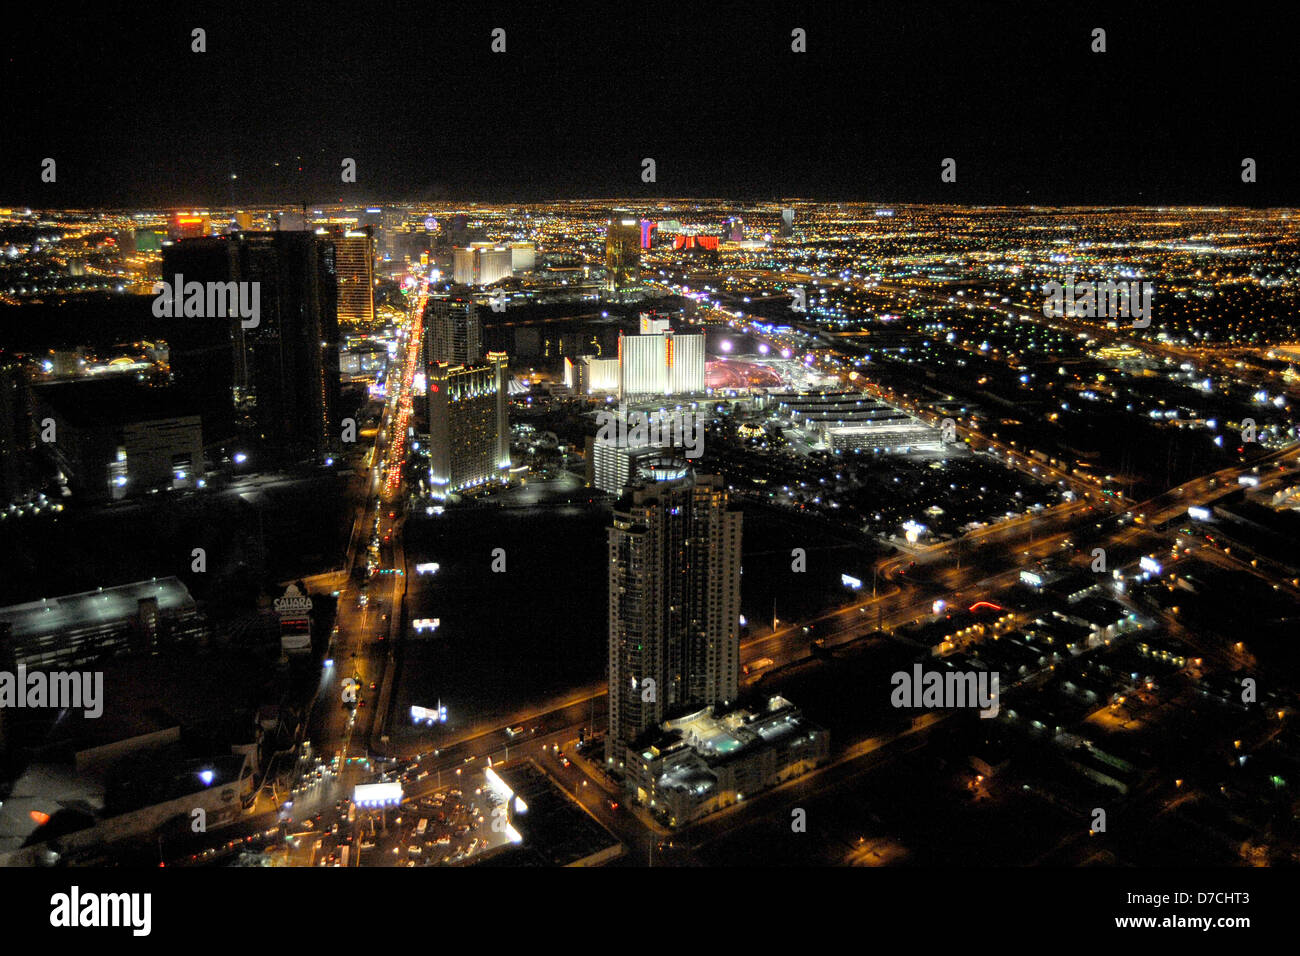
(660, 364)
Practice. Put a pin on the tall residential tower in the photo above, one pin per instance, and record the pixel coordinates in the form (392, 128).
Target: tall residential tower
(674, 601)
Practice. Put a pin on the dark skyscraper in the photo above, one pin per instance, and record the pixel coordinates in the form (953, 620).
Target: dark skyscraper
(457, 230)
(453, 334)
(15, 433)
(205, 351)
(294, 350)
(283, 373)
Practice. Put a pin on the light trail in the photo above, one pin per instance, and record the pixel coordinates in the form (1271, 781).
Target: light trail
(396, 453)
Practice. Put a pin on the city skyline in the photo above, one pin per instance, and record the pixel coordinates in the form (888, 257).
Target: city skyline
(770, 436)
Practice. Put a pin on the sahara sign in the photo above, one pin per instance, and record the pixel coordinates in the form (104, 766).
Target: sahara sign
(293, 604)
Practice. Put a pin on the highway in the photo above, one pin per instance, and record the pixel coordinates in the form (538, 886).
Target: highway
(370, 599)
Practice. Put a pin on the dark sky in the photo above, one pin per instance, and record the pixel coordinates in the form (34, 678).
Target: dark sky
(715, 96)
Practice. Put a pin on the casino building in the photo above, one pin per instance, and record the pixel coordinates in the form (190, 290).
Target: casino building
(660, 363)
(469, 437)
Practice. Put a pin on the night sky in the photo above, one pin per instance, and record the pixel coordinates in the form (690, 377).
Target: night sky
(715, 96)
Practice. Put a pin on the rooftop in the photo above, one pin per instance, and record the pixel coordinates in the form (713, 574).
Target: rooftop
(72, 612)
(108, 402)
(705, 740)
(555, 830)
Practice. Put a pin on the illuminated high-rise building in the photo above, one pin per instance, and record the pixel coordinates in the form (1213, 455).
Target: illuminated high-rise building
(355, 260)
(592, 374)
(188, 226)
(662, 363)
(452, 332)
(463, 266)
(482, 264)
(651, 324)
(674, 601)
(469, 436)
(149, 239)
(622, 251)
(494, 264)
(523, 256)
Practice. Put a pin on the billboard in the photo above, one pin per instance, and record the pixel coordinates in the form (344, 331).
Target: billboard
(294, 609)
(429, 715)
(295, 635)
(377, 794)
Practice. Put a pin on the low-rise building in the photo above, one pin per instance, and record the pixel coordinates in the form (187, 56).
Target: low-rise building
(700, 763)
(78, 629)
(113, 439)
